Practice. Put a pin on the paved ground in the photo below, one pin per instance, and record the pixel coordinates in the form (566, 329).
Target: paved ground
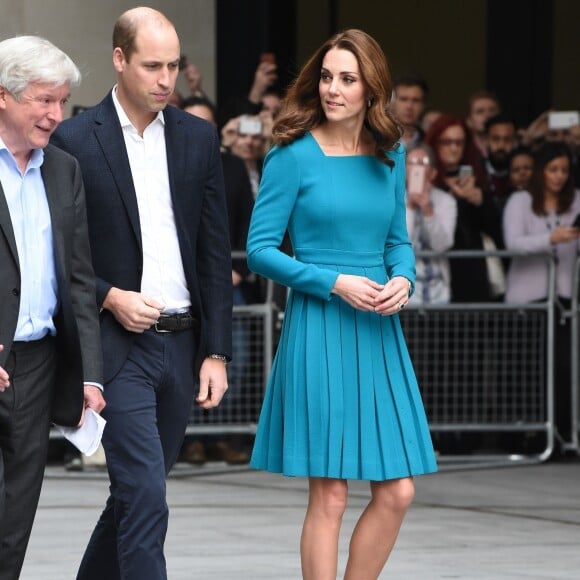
(236, 524)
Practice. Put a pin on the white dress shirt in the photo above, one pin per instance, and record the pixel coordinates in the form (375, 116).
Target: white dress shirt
(30, 217)
(163, 275)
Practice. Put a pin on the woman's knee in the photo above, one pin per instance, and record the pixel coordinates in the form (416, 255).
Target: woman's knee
(329, 496)
(395, 495)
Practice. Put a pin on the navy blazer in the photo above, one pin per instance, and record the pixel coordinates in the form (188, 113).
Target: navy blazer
(77, 328)
(95, 138)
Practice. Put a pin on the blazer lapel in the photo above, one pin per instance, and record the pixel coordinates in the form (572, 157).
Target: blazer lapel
(175, 151)
(109, 134)
(54, 196)
(6, 226)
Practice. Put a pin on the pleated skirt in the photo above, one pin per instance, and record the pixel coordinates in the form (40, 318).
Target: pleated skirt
(342, 400)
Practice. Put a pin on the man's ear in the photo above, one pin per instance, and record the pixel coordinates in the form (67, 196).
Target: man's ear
(3, 93)
(118, 59)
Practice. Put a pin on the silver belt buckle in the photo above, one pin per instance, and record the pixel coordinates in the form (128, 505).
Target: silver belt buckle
(157, 329)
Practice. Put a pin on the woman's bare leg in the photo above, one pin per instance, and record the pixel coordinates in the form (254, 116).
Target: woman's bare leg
(319, 542)
(375, 533)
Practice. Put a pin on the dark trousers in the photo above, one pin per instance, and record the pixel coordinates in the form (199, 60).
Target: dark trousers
(148, 405)
(24, 430)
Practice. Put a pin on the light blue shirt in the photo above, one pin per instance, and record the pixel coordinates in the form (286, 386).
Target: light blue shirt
(30, 216)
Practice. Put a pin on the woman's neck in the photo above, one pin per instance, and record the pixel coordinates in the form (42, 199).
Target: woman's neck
(341, 140)
(550, 201)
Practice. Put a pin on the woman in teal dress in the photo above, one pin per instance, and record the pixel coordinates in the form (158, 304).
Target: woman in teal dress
(342, 400)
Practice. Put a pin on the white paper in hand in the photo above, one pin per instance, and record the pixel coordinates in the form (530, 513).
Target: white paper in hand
(87, 437)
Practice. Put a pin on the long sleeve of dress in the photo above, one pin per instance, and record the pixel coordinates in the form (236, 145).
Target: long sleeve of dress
(279, 188)
(399, 256)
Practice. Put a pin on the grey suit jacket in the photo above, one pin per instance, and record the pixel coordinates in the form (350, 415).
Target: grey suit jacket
(76, 321)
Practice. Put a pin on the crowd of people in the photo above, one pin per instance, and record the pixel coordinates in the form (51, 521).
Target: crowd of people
(488, 184)
(480, 159)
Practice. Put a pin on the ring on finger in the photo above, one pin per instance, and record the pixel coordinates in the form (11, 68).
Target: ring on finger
(401, 305)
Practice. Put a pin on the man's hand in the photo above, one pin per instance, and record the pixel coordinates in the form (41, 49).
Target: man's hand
(93, 399)
(213, 383)
(135, 312)
(4, 378)
(236, 278)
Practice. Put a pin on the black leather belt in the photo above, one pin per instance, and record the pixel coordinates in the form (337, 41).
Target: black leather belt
(25, 345)
(175, 322)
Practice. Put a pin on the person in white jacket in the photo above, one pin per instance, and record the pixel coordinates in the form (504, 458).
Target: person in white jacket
(431, 221)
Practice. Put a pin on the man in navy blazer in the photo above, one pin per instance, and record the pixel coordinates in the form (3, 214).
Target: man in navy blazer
(159, 238)
(50, 353)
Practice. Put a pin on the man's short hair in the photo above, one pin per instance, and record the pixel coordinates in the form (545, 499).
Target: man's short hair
(197, 101)
(481, 94)
(500, 119)
(128, 24)
(411, 79)
(33, 59)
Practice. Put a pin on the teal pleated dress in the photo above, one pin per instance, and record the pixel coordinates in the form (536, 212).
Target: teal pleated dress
(342, 399)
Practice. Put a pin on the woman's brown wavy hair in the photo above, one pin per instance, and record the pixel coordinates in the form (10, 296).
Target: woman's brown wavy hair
(302, 111)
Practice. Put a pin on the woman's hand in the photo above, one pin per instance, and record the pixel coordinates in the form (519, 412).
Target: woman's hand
(360, 292)
(394, 296)
(563, 234)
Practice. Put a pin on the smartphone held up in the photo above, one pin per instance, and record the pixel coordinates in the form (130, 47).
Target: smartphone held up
(464, 173)
(558, 120)
(249, 126)
(416, 177)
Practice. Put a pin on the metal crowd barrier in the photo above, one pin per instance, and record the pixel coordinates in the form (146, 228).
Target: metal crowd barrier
(574, 444)
(253, 344)
(239, 410)
(482, 367)
(486, 371)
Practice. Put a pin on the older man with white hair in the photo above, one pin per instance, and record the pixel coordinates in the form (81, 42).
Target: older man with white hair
(50, 353)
